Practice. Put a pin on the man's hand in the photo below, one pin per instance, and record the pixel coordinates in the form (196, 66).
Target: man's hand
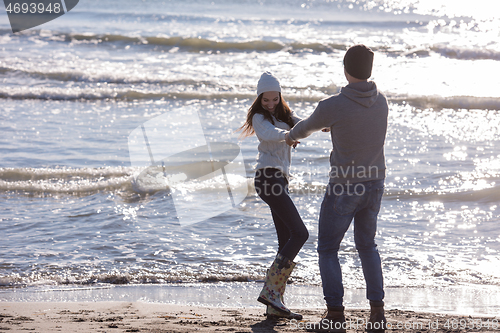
(290, 142)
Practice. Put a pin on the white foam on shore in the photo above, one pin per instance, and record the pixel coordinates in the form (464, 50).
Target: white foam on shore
(459, 300)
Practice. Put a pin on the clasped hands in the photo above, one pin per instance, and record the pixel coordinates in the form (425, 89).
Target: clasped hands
(294, 144)
(290, 142)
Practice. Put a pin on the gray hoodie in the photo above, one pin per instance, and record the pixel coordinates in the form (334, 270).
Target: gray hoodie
(357, 118)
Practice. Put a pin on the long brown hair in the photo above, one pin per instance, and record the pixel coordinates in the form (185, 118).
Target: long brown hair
(282, 113)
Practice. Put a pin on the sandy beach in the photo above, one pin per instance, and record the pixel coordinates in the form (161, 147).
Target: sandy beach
(149, 317)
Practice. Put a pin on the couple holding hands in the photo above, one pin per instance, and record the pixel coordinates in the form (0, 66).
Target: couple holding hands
(357, 121)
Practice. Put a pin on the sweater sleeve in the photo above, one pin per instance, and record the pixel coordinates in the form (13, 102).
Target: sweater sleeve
(315, 122)
(265, 130)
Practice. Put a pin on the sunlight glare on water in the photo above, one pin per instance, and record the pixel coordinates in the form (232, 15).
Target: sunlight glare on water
(483, 9)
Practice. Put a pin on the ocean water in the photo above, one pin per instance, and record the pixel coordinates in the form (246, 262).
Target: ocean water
(73, 89)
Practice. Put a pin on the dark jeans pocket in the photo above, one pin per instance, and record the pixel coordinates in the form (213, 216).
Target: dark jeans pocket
(346, 204)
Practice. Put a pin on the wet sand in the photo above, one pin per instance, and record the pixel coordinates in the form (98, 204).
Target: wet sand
(150, 317)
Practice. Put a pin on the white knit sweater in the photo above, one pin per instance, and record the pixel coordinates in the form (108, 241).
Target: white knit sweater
(273, 150)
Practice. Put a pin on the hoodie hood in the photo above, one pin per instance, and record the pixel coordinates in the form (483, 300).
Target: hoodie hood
(364, 93)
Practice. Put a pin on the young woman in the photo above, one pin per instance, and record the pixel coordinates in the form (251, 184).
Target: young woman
(270, 119)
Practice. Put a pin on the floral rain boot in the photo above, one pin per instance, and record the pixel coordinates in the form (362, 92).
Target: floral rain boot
(274, 284)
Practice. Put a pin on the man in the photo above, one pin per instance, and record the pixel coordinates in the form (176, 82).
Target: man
(357, 118)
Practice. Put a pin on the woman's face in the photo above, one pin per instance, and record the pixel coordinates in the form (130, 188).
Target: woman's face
(270, 100)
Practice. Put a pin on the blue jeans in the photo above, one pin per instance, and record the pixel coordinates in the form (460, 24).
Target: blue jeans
(343, 203)
(272, 187)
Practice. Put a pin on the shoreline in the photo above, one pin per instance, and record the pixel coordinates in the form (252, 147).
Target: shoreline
(465, 300)
(112, 316)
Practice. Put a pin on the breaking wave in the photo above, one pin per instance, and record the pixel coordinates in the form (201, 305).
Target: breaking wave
(200, 44)
(191, 90)
(70, 181)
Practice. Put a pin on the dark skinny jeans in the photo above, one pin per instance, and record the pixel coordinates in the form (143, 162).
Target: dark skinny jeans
(272, 187)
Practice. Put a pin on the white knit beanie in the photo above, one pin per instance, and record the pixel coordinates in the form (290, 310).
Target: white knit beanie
(268, 82)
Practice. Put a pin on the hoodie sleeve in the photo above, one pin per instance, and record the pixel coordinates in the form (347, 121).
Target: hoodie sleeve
(266, 131)
(295, 118)
(315, 122)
